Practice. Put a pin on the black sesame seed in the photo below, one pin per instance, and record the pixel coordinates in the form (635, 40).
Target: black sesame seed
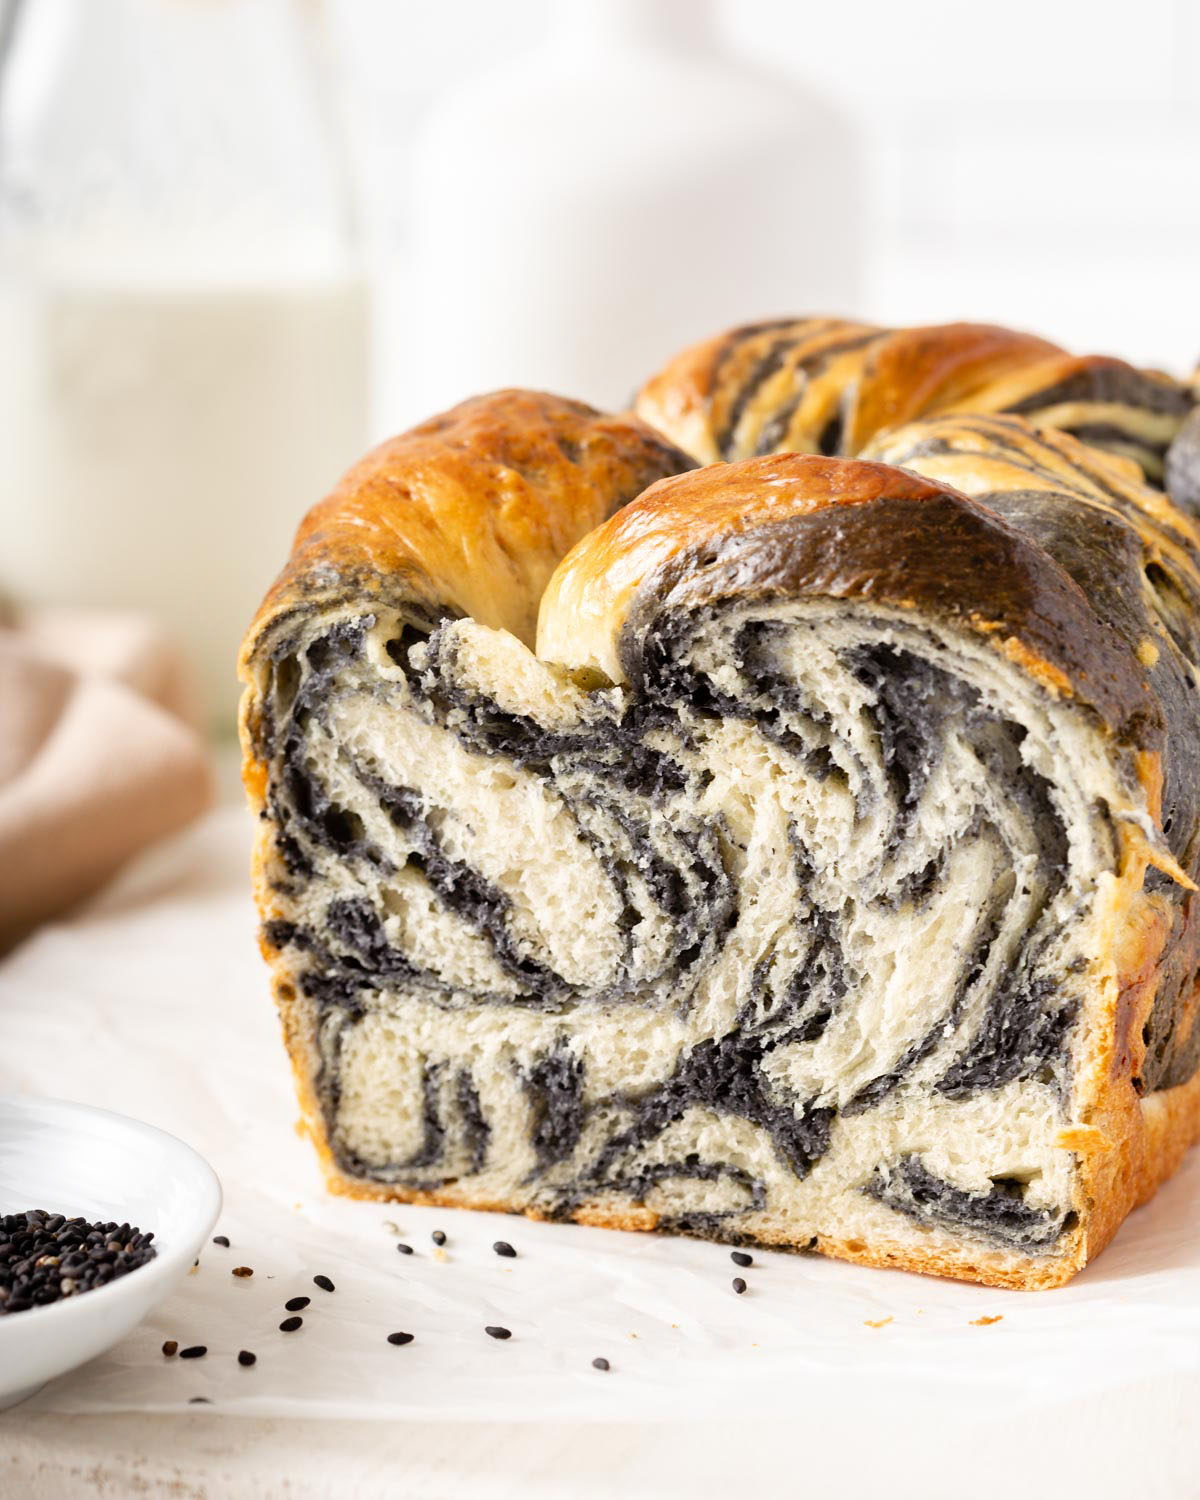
(199, 1401)
(502, 1247)
(246, 1358)
(194, 1351)
(170, 1347)
(740, 1258)
(289, 1325)
(222, 1240)
(600, 1363)
(324, 1283)
(497, 1333)
(438, 1236)
(739, 1285)
(404, 1249)
(399, 1338)
(297, 1304)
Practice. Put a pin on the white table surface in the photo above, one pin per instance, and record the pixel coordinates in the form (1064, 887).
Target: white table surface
(1093, 1425)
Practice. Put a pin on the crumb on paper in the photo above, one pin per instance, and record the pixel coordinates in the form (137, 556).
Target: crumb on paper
(391, 1227)
(440, 1254)
(985, 1321)
(876, 1322)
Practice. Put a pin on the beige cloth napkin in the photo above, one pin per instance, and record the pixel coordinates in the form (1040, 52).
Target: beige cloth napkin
(98, 755)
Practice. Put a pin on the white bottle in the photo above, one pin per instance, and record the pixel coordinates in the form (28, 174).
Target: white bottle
(182, 328)
(580, 214)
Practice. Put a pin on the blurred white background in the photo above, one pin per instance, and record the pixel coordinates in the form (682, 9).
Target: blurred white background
(1035, 162)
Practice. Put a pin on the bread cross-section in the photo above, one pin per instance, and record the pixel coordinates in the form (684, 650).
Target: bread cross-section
(816, 871)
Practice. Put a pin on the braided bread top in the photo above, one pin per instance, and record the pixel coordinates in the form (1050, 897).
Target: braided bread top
(466, 514)
(824, 385)
(1011, 532)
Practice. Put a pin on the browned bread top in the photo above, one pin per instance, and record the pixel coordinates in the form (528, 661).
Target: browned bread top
(829, 386)
(470, 512)
(795, 525)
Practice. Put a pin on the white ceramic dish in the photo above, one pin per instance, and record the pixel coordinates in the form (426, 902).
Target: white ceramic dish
(72, 1159)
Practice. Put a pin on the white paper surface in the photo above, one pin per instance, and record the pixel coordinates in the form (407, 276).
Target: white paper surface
(155, 1003)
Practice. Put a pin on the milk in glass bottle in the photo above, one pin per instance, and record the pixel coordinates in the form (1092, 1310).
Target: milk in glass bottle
(182, 362)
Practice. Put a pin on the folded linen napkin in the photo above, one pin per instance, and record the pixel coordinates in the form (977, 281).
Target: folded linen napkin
(99, 755)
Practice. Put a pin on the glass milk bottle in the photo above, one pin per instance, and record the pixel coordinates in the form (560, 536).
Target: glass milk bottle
(626, 188)
(182, 341)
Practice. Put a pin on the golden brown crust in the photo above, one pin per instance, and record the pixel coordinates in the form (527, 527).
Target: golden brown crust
(918, 372)
(822, 385)
(1160, 1129)
(798, 525)
(1132, 1142)
(699, 396)
(470, 512)
(589, 596)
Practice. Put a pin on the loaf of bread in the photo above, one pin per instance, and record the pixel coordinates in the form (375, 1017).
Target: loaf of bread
(818, 870)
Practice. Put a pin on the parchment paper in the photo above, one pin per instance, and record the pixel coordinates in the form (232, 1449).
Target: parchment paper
(155, 1003)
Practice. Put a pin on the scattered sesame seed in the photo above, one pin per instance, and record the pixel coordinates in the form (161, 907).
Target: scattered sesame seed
(740, 1258)
(399, 1338)
(289, 1325)
(297, 1304)
(404, 1249)
(170, 1347)
(502, 1247)
(324, 1283)
(600, 1363)
(222, 1240)
(739, 1285)
(246, 1358)
(199, 1401)
(438, 1236)
(194, 1351)
(497, 1333)
(243, 1271)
